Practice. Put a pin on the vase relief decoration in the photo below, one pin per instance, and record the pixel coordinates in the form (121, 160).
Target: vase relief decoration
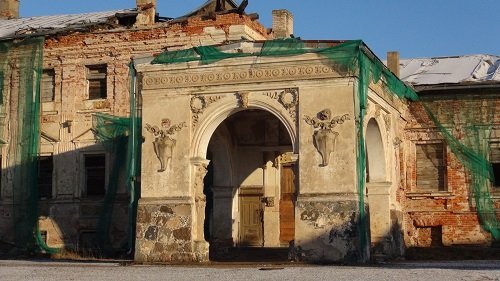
(324, 136)
(164, 143)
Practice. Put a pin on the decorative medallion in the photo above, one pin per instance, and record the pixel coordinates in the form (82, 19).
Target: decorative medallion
(163, 143)
(324, 136)
(288, 98)
(198, 105)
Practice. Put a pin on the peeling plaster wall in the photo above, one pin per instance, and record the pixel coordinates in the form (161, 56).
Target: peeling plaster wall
(66, 121)
(327, 230)
(326, 214)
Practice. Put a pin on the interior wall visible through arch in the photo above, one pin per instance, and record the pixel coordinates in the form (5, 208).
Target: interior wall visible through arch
(376, 164)
(243, 149)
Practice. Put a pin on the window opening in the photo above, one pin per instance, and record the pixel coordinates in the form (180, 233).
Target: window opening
(95, 174)
(96, 79)
(431, 167)
(47, 85)
(45, 170)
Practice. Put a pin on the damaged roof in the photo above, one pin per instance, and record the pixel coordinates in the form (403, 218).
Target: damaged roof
(461, 70)
(46, 24)
(41, 25)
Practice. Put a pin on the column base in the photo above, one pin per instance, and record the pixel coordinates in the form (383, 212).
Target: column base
(201, 250)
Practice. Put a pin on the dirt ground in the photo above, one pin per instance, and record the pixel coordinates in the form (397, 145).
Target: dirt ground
(400, 271)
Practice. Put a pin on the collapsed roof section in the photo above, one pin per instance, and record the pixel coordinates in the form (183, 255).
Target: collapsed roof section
(458, 71)
(125, 18)
(22, 27)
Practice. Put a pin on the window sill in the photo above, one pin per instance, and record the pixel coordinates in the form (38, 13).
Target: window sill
(95, 105)
(432, 194)
(495, 194)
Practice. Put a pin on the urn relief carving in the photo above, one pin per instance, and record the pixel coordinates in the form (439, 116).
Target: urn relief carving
(164, 143)
(324, 136)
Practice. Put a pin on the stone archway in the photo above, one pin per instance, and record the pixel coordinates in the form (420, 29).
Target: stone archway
(215, 134)
(211, 122)
(375, 162)
(378, 191)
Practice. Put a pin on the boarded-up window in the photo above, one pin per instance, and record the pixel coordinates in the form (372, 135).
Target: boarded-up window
(95, 174)
(96, 78)
(47, 85)
(431, 169)
(495, 163)
(45, 168)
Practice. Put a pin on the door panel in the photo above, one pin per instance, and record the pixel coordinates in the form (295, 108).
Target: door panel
(287, 208)
(251, 220)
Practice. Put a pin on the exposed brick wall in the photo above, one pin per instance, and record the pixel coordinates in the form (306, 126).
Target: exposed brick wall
(68, 54)
(452, 211)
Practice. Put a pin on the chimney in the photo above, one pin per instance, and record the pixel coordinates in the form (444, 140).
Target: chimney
(282, 23)
(393, 62)
(146, 12)
(9, 9)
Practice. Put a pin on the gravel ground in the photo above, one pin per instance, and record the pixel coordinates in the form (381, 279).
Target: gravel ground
(401, 271)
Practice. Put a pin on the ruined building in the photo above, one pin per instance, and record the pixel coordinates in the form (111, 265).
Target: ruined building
(180, 139)
(451, 191)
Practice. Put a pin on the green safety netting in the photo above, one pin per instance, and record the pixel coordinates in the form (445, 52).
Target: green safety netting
(121, 136)
(475, 122)
(21, 65)
(355, 58)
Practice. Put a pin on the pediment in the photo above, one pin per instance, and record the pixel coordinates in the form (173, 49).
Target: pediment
(85, 136)
(46, 137)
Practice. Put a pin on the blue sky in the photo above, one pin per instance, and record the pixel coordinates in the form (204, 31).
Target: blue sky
(418, 28)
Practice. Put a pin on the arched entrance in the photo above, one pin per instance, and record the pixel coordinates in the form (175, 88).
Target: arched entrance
(375, 156)
(378, 191)
(249, 187)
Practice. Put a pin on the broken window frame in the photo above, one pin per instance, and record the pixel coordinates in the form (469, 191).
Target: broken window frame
(45, 179)
(48, 85)
(494, 159)
(96, 81)
(103, 169)
(442, 171)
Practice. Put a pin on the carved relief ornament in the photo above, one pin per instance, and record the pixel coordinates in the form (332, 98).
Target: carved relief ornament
(198, 105)
(324, 136)
(163, 143)
(242, 99)
(255, 74)
(288, 98)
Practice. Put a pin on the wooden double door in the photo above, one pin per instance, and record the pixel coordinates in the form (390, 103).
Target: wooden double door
(251, 217)
(252, 212)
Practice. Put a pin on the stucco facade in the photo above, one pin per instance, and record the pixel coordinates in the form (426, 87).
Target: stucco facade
(254, 151)
(291, 90)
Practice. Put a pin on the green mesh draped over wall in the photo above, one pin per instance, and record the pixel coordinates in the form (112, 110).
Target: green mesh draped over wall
(467, 133)
(21, 69)
(112, 132)
(21, 65)
(121, 137)
(355, 58)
